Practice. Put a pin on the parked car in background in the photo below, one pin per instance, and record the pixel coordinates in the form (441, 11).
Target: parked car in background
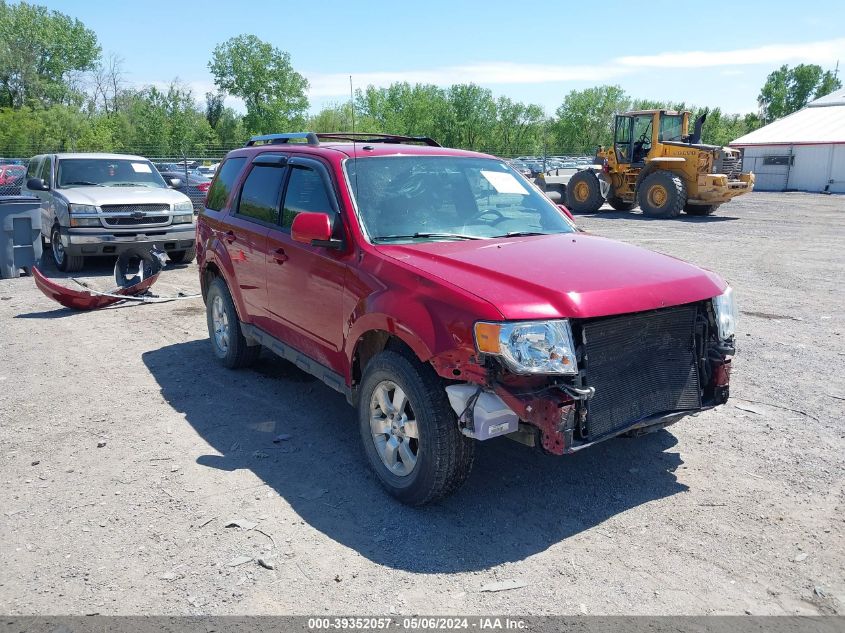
(196, 188)
(208, 170)
(451, 302)
(11, 179)
(105, 204)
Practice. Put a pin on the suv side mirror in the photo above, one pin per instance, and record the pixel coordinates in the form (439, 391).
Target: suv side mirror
(37, 184)
(174, 183)
(315, 229)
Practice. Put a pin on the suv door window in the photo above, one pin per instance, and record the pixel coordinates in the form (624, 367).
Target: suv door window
(260, 194)
(223, 183)
(305, 192)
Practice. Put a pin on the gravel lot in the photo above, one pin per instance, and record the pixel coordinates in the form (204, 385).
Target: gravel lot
(738, 510)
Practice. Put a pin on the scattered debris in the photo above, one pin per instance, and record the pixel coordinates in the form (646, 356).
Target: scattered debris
(169, 576)
(800, 557)
(750, 409)
(337, 578)
(241, 523)
(101, 444)
(753, 475)
(206, 522)
(266, 563)
(36, 462)
(835, 396)
(282, 437)
(504, 585)
(237, 561)
(269, 536)
(777, 406)
(168, 493)
(173, 469)
(819, 591)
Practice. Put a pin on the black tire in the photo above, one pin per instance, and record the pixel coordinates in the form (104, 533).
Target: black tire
(701, 209)
(62, 259)
(583, 193)
(662, 194)
(183, 257)
(444, 456)
(619, 204)
(236, 352)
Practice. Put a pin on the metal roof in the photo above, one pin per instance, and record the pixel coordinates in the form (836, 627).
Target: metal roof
(820, 123)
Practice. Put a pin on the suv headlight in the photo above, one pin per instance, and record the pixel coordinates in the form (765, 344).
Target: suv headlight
(530, 347)
(187, 218)
(726, 313)
(184, 207)
(81, 208)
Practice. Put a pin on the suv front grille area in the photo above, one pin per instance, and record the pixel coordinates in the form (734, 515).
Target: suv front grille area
(136, 208)
(640, 365)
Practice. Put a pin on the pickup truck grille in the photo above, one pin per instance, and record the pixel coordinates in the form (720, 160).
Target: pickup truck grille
(136, 208)
(640, 365)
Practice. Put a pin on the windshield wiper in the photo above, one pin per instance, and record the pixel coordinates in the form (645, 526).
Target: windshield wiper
(126, 184)
(522, 234)
(457, 236)
(84, 183)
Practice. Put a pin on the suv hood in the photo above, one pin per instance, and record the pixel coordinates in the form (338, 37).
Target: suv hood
(121, 195)
(561, 276)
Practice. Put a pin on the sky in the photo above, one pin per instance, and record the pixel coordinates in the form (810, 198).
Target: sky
(702, 53)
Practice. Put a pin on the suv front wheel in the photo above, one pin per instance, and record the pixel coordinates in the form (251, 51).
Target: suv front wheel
(410, 432)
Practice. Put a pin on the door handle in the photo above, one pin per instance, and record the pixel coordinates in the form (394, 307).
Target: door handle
(230, 236)
(279, 256)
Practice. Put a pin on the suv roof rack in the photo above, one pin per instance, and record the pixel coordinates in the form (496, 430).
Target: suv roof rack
(312, 138)
(275, 139)
(365, 137)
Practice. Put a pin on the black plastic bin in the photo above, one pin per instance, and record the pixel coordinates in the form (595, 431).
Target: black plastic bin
(20, 234)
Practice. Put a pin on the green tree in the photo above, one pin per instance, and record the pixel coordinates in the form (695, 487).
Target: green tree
(519, 128)
(585, 119)
(787, 90)
(41, 54)
(214, 107)
(263, 77)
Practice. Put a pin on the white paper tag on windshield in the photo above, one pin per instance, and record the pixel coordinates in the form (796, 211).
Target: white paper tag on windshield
(141, 168)
(504, 182)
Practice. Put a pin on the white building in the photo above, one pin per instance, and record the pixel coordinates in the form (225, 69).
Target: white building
(804, 151)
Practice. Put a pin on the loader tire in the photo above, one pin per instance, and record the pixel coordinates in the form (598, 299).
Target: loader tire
(583, 193)
(619, 204)
(662, 194)
(701, 209)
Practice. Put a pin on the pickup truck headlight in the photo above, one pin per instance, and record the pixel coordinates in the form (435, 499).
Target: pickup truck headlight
(184, 207)
(82, 208)
(530, 347)
(726, 314)
(183, 219)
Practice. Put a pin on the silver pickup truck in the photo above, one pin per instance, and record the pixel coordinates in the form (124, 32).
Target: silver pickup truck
(104, 204)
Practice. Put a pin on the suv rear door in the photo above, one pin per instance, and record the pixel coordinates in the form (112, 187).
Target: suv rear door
(304, 282)
(254, 211)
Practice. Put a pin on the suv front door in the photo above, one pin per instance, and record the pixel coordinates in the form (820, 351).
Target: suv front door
(304, 282)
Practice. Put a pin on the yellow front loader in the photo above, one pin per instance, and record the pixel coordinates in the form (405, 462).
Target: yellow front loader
(657, 164)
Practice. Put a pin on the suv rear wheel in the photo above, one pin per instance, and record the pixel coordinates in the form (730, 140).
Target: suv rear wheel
(64, 261)
(409, 430)
(224, 328)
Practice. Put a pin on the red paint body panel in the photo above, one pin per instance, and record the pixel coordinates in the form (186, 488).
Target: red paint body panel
(83, 300)
(561, 276)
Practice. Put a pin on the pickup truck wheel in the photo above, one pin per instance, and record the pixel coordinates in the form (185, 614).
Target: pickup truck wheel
(701, 209)
(224, 329)
(410, 434)
(662, 194)
(64, 261)
(583, 192)
(183, 257)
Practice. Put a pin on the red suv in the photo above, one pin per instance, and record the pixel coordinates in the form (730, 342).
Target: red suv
(451, 301)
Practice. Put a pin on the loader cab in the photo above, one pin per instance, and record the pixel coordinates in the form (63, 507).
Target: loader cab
(637, 132)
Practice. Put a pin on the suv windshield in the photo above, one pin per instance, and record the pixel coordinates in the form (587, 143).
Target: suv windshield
(107, 172)
(410, 198)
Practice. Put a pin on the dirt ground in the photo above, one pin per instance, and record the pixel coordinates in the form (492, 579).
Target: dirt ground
(738, 510)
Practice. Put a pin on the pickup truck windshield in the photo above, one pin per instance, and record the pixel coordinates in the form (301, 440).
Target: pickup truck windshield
(403, 199)
(107, 172)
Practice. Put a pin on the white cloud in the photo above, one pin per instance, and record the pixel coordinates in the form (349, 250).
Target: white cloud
(487, 73)
(825, 52)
